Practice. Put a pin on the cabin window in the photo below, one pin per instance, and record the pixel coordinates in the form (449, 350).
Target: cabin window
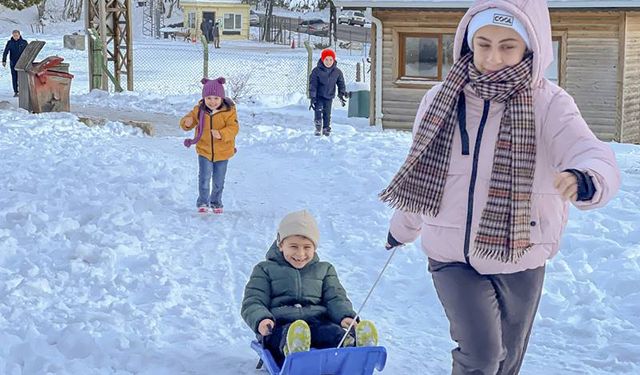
(191, 20)
(425, 56)
(232, 22)
(554, 71)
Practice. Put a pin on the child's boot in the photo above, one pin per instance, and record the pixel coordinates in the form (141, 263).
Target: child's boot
(326, 131)
(298, 338)
(318, 125)
(366, 334)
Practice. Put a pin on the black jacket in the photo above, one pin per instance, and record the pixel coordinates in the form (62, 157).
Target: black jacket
(14, 48)
(323, 81)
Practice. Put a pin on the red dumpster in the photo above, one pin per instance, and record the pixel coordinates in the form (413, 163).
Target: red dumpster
(48, 87)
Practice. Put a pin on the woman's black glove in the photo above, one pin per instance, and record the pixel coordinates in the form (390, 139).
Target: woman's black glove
(392, 242)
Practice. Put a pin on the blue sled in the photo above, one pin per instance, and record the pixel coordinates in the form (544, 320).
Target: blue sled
(343, 361)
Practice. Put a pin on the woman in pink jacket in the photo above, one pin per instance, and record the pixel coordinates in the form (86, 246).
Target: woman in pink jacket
(498, 153)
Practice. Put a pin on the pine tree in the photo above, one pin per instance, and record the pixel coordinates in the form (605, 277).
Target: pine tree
(19, 4)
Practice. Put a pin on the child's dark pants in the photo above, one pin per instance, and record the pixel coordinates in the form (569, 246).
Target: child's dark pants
(490, 316)
(322, 114)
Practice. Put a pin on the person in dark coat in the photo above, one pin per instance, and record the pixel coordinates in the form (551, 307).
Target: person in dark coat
(295, 301)
(215, 33)
(322, 90)
(205, 27)
(14, 48)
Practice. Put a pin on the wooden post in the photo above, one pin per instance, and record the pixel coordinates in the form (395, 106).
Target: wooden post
(102, 16)
(99, 64)
(309, 63)
(205, 61)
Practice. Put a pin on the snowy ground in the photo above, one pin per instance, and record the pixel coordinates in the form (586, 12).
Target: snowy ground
(106, 269)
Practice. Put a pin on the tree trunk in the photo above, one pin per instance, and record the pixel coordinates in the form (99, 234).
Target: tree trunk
(41, 9)
(266, 35)
(333, 23)
(171, 5)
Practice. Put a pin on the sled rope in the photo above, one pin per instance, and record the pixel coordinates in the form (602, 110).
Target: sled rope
(367, 297)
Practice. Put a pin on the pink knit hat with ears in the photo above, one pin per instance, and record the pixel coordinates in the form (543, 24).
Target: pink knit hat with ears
(213, 87)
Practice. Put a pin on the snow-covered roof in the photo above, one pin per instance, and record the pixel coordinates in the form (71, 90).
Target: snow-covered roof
(463, 4)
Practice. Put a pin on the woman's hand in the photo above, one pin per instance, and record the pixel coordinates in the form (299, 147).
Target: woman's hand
(346, 322)
(391, 242)
(567, 185)
(266, 326)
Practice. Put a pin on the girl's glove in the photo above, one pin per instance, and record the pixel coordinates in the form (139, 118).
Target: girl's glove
(312, 105)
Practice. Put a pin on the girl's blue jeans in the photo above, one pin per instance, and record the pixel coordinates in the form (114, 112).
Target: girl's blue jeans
(209, 171)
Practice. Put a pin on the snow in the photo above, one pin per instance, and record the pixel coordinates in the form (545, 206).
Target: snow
(106, 268)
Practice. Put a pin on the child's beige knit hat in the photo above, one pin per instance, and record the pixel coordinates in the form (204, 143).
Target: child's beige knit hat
(299, 223)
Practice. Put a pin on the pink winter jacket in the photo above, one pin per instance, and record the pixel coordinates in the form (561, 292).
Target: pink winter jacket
(564, 141)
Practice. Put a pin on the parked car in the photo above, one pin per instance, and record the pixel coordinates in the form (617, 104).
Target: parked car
(352, 17)
(314, 26)
(254, 19)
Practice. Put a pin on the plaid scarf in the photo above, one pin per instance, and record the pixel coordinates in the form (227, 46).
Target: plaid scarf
(504, 228)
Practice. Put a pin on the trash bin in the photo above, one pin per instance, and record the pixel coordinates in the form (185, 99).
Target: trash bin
(43, 86)
(49, 88)
(359, 104)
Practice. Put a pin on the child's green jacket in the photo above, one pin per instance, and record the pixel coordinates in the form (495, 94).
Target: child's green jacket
(278, 291)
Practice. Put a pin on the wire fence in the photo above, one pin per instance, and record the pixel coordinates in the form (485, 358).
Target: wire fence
(252, 68)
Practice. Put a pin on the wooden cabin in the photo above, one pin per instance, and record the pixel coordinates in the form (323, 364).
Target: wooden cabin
(596, 45)
(233, 16)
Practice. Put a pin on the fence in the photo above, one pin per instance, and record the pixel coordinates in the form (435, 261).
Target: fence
(251, 68)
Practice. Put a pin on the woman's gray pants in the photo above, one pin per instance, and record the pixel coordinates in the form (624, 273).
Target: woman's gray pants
(490, 316)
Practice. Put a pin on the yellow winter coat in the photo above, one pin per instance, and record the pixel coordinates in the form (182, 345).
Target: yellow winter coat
(225, 121)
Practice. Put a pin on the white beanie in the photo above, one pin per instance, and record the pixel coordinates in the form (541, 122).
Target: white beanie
(299, 223)
(496, 17)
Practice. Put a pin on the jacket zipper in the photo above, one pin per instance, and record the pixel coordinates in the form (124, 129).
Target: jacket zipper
(474, 176)
(299, 292)
(211, 133)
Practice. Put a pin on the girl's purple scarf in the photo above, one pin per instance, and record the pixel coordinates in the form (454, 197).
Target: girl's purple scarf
(199, 128)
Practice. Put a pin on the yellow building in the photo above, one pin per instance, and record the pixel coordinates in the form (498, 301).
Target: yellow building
(232, 15)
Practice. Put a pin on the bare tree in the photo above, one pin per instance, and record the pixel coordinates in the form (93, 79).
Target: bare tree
(41, 7)
(239, 85)
(72, 10)
(333, 23)
(172, 3)
(268, 18)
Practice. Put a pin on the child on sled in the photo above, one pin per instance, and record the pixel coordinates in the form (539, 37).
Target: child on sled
(295, 301)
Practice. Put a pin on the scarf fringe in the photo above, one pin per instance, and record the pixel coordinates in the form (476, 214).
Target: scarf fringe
(395, 201)
(503, 255)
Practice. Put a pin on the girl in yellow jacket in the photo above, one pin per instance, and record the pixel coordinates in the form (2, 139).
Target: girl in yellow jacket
(216, 122)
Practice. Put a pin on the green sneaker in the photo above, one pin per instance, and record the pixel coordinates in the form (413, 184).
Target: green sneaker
(298, 338)
(366, 334)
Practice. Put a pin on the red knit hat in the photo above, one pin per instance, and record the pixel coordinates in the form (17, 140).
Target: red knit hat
(327, 52)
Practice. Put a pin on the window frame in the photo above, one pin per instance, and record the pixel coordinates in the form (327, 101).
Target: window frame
(191, 16)
(399, 37)
(560, 36)
(236, 27)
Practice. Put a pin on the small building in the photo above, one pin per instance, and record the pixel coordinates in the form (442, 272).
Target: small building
(232, 15)
(596, 45)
